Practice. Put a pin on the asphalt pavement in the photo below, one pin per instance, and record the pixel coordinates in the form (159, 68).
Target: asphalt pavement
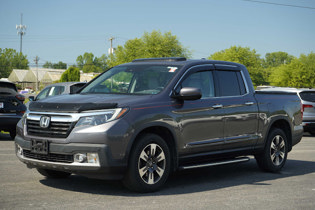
(237, 186)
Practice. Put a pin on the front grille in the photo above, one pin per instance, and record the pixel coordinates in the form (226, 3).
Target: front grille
(55, 129)
(60, 158)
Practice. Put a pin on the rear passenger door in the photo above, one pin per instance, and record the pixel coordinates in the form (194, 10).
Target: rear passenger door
(241, 110)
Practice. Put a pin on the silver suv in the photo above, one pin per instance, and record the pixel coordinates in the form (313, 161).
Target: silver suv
(308, 107)
(307, 97)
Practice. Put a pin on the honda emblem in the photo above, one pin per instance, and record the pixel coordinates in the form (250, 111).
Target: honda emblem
(44, 122)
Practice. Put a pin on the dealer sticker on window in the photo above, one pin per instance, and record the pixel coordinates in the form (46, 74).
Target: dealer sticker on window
(172, 69)
(1, 105)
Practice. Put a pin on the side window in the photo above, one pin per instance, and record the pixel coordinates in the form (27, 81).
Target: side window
(202, 80)
(229, 84)
(43, 94)
(56, 90)
(241, 83)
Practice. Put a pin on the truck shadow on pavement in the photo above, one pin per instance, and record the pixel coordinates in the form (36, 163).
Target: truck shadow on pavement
(189, 181)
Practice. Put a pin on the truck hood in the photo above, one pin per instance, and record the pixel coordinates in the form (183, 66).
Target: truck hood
(85, 102)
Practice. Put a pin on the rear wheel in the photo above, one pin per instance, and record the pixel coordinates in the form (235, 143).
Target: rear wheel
(149, 164)
(53, 174)
(274, 156)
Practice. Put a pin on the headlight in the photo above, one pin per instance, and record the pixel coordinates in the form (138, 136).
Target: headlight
(23, 119)
(101, 118)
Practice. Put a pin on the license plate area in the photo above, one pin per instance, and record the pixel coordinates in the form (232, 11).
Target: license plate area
(39, 146)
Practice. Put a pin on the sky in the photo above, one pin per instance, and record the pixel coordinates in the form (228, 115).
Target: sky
(61, 30)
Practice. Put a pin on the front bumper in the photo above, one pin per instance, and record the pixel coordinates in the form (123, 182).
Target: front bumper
(106, 168)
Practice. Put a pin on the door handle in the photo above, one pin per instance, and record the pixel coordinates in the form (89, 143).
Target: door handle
(217, 106)
(248, 103)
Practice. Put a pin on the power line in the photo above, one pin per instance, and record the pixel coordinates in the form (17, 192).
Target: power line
(278, 4)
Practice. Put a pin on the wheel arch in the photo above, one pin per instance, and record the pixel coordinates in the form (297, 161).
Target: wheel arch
(284, 125)
(165, 133)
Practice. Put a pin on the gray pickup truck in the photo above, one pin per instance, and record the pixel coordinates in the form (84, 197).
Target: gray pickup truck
(140, 121)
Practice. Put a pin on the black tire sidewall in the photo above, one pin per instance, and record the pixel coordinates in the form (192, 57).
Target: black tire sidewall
(132, 179)
(264, 160)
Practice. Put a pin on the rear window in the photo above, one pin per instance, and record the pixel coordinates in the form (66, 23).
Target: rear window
(7, 85)
(308, 96)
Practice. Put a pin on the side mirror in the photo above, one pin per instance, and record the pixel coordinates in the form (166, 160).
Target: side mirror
(31, 98)
(188, 93)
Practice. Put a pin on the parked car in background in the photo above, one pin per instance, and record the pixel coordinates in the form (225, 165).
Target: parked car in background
(58, 89)
(308, 107)
(11, 107)
(307, 97)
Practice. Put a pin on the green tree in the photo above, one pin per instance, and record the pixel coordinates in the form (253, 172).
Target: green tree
(275, 59)
(150, 45)
(88, 63)
(245, 56)
(300, 72)
(9, 60)
(59, 65)
(48, 65)
(72, 74)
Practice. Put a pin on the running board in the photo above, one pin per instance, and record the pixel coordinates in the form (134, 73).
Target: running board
(236, 160)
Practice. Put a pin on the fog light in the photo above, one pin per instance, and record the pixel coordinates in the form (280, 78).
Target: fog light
(80, 158)
(19, 150)
(92, 158)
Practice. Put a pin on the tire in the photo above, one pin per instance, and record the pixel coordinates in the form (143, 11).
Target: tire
(274, 156)
(53, 174)
(149, 164)
(13, 134)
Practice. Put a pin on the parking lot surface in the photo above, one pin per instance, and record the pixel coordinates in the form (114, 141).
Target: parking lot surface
(237, 186)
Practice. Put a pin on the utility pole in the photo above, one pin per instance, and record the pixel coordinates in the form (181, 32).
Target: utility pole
(20, 31)
(111, 49)
(36, 62)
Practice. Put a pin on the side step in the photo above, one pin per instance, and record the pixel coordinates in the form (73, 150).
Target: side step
(235, 160)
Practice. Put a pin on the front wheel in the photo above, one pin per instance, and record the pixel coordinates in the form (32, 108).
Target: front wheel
(53, 174)
(149, 164)
(275, 154)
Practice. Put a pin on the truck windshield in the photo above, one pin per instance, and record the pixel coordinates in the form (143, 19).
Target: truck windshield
(133, 79)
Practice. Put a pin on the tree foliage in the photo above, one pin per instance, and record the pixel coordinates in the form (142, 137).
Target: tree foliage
(88, 63)
(150, 45)
(59, 65)
(275, 59)
(245, 56)
(300, 72)
(72, 74)
(9, 60)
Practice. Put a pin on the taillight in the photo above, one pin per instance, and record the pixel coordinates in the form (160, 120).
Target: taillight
(20, 97)
(306, 106)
